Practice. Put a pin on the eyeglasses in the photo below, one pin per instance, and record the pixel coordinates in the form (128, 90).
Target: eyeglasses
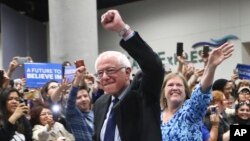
(244, 92)
(109, 72)
(244, 103)
(46, 113)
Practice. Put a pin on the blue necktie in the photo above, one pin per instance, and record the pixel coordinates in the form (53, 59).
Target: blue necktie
(110, 128)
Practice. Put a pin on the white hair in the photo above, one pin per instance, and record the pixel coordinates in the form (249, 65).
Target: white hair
(121, 58)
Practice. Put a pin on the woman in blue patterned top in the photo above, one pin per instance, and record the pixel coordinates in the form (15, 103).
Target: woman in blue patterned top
(181, 117)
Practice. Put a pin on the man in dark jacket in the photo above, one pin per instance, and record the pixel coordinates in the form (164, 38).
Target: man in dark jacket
(136, 115)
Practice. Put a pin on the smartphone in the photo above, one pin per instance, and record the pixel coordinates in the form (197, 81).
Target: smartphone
(179, 49)
(79, 63)
(69, 73)
(213, 110)
(236, 71)
(205, 51)
(22, 100)
(25, 101)
(1, 73)
(22, 60)
(1, 78)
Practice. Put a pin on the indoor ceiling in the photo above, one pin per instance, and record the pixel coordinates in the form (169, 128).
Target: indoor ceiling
(38, 9)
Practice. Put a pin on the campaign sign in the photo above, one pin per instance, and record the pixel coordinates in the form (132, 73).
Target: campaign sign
(239, 132)
(37, 74)
(69, 73)
(244, 71)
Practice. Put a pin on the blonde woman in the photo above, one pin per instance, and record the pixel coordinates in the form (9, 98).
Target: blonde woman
(180, 118)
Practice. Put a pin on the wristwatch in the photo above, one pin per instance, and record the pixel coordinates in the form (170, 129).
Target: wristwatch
(124, 30)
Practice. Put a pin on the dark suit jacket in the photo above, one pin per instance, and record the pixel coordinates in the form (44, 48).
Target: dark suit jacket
(137, 114)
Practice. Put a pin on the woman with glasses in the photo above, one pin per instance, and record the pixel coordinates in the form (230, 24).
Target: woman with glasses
(13, 123)
(52, 90)
(53, 96)
(45, 128)
(243, 95)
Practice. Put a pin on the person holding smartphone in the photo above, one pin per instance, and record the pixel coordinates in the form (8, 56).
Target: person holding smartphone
(13, 123)
(79, 105)
(218, 131)
(45, 128)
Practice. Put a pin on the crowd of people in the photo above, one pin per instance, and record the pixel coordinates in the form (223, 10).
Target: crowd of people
(108, 105)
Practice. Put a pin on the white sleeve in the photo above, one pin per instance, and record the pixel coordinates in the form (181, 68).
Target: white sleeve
(40, 133)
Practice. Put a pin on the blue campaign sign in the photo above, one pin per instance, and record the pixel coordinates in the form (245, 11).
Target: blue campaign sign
(244, 71)
(37, 74)
(69, 73)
